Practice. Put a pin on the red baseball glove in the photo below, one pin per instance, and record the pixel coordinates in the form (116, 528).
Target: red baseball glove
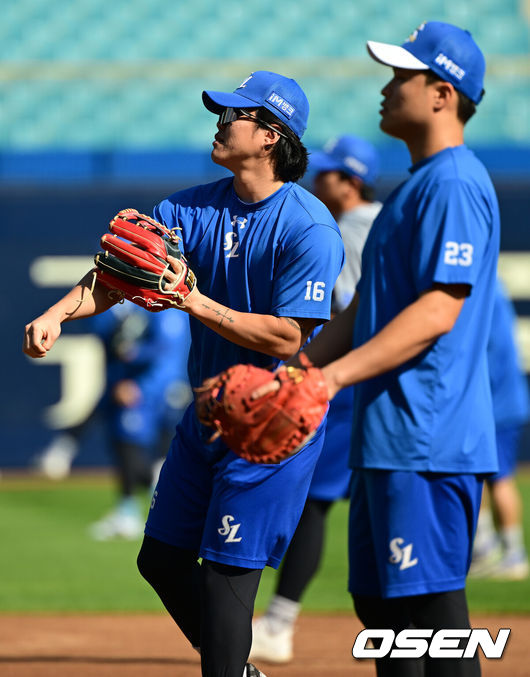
(272, 427)
(134, 262)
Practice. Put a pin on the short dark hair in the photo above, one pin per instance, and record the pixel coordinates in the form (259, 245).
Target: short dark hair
(366, 192)
(466, 107)
(289, 155)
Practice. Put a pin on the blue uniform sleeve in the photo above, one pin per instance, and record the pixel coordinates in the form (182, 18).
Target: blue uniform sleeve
(193, 210)
(169, 213)
(452, 237)
(307, 270)
(162, 213)
(172, 214)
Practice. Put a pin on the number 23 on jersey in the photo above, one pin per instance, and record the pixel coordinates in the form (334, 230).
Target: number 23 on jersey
(458, 253)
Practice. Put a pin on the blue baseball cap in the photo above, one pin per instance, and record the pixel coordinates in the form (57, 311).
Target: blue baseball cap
(348, 154)
(282, 96)
(447, 50)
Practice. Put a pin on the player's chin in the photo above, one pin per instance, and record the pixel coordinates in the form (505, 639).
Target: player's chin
(218, 156)
(386, 126)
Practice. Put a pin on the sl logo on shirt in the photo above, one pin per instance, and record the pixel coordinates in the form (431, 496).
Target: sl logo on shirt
(231, 244)
(229, 530)
(401, 555)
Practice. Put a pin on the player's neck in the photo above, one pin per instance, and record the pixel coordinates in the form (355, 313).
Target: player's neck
(254, 186)
(434, 140)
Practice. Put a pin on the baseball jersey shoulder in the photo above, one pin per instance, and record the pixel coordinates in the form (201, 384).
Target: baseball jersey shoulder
(453, 170)
(309, 255)
(201, 195)
(307, 209)
(192, 209)
(457, 218)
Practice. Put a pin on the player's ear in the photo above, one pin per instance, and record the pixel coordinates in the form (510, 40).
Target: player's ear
(270, 138)
(444, 95)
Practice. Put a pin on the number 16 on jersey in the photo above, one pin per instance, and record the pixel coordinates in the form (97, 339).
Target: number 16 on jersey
(314, 291)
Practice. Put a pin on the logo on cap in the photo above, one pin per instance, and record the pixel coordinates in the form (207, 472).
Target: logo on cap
(414, 35)
(450, 66)
(282, 105)
(244, 83)
(356, 165)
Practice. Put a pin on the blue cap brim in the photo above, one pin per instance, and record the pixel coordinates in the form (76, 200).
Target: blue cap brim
(322, 162)
(216, 102)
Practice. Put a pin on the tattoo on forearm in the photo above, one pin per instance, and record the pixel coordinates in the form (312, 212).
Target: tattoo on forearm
(293, 323)
(304, 325)
(222, 315)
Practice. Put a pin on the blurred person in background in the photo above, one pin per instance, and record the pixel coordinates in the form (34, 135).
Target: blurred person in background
(146, 395)
(345, 172)
(499, 550)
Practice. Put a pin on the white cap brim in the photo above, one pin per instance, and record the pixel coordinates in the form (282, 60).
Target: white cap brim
(394, 55)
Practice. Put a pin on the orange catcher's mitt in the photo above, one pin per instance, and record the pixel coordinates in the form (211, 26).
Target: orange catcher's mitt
(270, 428)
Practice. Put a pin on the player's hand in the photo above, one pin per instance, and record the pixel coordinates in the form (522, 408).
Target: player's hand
(271, 387)
(274, 386)
(40, 335)
(173, 276)
(331, 382)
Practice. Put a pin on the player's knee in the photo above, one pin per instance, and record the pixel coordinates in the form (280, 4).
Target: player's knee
(226, 585)
(159, 562)
(146, 563)
(156, 560)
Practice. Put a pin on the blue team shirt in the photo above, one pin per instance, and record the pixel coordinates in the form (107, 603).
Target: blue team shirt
(434, 413)
(280, 256)
(509, 387)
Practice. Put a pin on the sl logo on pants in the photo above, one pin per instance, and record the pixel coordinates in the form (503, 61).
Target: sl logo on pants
(401, 555)
(229, 530)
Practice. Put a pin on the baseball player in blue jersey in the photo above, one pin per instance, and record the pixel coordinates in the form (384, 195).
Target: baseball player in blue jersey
(413, 341)
(345, 172)
(499, 550)
(266, 254)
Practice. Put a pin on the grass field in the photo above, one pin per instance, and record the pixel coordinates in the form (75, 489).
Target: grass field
(48, 563)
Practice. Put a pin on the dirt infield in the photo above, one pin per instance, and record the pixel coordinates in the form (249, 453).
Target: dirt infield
(150, 646)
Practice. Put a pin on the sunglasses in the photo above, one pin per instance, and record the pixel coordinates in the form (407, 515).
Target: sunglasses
(231, 114)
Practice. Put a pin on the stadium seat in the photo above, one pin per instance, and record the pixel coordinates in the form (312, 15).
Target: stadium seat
(87, 74)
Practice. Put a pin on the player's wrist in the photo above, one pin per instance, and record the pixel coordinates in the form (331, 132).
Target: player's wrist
(56, 314)
(332, 380)
(193, 302)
